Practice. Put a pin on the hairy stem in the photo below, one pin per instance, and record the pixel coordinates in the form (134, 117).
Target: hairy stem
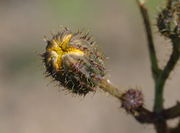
(161, 126)
(142, 115)
(159, 116)
(158, 104)
(152, 53)
(158, 76)
(106, 85)
(172, 112)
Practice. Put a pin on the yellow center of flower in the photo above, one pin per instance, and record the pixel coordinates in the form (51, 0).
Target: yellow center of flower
(58, 49)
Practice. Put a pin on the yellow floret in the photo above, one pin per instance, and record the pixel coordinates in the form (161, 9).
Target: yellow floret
(58, 49)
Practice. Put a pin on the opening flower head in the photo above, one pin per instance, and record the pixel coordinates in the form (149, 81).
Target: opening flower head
(73, 60)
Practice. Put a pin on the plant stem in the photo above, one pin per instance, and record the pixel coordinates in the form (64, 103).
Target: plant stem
(172, 112)
(106, 85)
(159, 116)
(159, 76)
(152, 53)
(161, 127)
(158, 103)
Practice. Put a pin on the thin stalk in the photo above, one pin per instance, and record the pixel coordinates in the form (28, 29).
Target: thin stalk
(158, 103)
(152, 53)
(106, 85)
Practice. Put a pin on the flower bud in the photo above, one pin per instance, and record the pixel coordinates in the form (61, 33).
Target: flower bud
(168, 20)
(131, 100)
(73, 60)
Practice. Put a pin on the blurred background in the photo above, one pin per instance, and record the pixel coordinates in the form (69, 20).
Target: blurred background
(30, 103)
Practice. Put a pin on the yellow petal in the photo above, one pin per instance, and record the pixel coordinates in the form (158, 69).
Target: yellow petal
(66, 41)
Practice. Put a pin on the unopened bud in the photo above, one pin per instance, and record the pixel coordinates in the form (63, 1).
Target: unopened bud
(168, 21)
(131, 100)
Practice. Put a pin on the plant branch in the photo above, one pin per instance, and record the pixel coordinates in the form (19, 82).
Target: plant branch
(161, 126)
(153, 58)
(142, 114)
(106, 85)
(172, 112)
(145, 116)
(158, 105)
(159, 116)
(148, 117)
(159, 76)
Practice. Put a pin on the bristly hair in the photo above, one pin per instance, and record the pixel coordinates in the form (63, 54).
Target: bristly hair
(73, 60)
